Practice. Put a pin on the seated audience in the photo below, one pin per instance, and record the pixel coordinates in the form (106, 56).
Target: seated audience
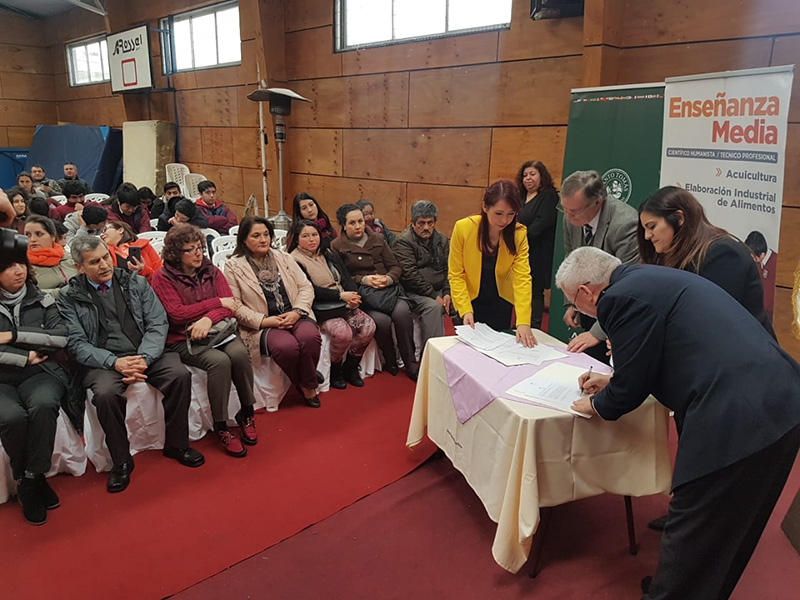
(220, 217)
(89, 221)
(181, 210)
(306, 207)
(423, 253)
(489, 269)
(336, 303)
(40, 206)
(539, 215)
(674, 231)
(50, 187)
(71, 174)
(61, 233)
(32, 385)
(197, 298)
(147, 197)
(375, 270)
(128, 251)
(25, 181)
(274, 306)
(75, 193)
(128, 208)
(171, 190)
(374, 224)
(117, 329)
(53, 269)
(19, 200)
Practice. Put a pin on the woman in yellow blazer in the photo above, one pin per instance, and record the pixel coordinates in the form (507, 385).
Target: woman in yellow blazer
(489, 269)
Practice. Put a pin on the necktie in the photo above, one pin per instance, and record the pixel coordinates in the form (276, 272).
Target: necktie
(103, 288)
(587, 235)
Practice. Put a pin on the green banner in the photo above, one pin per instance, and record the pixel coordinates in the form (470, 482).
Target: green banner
(615, 131)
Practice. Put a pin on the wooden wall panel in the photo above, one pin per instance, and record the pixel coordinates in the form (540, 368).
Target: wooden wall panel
(512, 146)
(217, 143)
(309, 54)
(364, 101)
(227, 179)
(248, 110)
(453, 202)
(190, 144)
(308, 14)
(26, 112)
(786, 51)
(789, 253)
(216, 107)
(429, 54)
(316, 151)
(649, 64)
(782, 322)
(791, 173)
(531, 92)
(539, 39)
(4, 137)
(20, 31)
(660, 22)
(20, 137)
(27, 86)
(389, 197)
(246, 147)
(25, 59)
(453, 156)
(93, 111)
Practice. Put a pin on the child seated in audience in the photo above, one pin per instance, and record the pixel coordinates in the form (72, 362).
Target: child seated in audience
(220, 217)
(128, 208)
(374, 224)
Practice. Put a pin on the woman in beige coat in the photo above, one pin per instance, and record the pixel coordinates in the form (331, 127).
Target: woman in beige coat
(275, 316)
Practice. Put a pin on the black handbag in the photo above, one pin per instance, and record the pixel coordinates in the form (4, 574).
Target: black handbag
(380, 299)
(329, 310)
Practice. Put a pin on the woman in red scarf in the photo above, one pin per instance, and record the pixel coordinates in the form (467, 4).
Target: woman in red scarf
(52, 267)
(123, 243)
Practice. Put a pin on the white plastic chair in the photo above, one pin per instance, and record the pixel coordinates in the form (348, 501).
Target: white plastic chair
(154, 223)
(370, 362)
(157, 245)
(153, 236)
(60, 199)
(279, 241)
(192, 179)
(220, 258)
(96, 197)
(177, 173)
(233, 230)
(223, 242)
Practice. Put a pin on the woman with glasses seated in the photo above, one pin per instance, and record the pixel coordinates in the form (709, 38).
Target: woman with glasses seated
(129, 251)
(197, 297)
(489, 271)
(274, 306)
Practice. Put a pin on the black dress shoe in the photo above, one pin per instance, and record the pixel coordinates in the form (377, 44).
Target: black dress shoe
(188, 457)
(32, 506)
(392, 369)
(658, 524)
(313, 402)
(320, 378)
(412, 372)
(49, 497)
(119, 477)
(337, 376)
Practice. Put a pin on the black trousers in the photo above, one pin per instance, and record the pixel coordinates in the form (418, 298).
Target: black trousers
(403, 328)
(29, 402)
(169, 376)
(715, 522)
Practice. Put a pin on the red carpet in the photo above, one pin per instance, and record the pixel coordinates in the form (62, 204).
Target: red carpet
(428, 536)
(175, 526)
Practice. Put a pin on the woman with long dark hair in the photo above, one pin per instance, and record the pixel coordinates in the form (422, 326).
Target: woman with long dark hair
(539, 214)
(274, 311)
(336, 304)
(52, 266)
(130, 251)
(197, 298)
(32, 384)
(674, 231)
(489, 270)
(305, 206)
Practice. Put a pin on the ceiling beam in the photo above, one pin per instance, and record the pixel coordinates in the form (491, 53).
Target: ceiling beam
(97, 8)
(19, 11)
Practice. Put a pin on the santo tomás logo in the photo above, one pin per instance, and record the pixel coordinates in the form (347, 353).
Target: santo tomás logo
(618, 184)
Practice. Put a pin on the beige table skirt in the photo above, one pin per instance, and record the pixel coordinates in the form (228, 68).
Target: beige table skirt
(519, 457)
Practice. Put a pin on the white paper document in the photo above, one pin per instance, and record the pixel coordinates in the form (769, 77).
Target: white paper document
(503, 347)
(555, 386)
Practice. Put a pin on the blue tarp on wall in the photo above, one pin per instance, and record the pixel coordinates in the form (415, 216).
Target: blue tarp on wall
(12, 161)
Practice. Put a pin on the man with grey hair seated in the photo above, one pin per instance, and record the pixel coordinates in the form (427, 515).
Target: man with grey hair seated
(685, 340)
(117, 330)
(423, 253)
(591, 218)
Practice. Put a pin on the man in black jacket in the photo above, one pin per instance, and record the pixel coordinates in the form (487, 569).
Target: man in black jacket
(689, 343)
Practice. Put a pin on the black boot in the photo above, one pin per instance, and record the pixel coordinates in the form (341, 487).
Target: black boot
(337, 378)
(48, 496)
(31, 501)
(350, 369)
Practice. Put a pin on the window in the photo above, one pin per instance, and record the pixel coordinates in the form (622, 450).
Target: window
(203, 38)
(87, 62)
(362, 23)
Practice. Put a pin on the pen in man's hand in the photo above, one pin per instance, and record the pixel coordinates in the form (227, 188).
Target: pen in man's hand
(590, 376)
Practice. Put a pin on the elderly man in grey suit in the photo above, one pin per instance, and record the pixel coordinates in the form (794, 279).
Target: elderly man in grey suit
(592, 218)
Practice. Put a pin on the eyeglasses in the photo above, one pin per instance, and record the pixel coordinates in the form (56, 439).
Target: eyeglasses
(193, 250)
(574, 213)
(575, 299)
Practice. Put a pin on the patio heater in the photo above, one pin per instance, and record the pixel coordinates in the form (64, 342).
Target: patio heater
(280, 105)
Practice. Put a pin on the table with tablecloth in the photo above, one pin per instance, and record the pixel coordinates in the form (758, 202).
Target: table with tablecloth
(519, 457)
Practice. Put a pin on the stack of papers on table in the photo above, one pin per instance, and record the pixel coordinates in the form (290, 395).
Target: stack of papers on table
(554, 386)
(503, 347)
